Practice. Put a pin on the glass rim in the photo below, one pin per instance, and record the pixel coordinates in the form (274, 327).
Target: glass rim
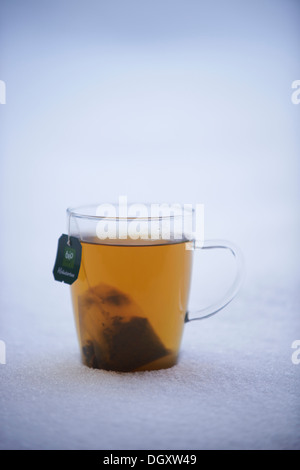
(81, 212)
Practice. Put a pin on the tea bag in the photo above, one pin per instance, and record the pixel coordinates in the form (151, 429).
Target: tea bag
(115, 335)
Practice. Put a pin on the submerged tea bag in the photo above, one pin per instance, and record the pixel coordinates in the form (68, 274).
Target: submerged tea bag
(115, 335)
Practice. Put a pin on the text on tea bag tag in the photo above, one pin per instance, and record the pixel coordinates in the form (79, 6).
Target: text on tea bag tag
(68, 259)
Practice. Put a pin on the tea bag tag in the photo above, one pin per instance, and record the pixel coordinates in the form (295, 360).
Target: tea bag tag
(68, 258)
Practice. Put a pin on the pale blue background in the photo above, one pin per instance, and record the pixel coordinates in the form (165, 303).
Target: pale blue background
(160, 101)
(169, 101)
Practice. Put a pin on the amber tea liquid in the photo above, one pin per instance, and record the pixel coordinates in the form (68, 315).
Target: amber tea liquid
(130, 301)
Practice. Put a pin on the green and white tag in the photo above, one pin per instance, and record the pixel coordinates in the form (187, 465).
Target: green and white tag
(68, 259)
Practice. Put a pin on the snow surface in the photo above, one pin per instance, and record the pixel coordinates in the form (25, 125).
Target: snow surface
(235, 386)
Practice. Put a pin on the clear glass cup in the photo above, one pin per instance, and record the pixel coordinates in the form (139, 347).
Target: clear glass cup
(130, 300)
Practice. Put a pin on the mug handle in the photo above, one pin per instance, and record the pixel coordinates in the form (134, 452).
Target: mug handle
(231, 293)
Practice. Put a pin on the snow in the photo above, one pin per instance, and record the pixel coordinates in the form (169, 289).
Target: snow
(235, 386)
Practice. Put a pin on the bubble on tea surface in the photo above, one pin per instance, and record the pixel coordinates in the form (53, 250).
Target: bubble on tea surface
(115, 335)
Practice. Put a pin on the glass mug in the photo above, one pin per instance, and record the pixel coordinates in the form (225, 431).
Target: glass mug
(130, 299)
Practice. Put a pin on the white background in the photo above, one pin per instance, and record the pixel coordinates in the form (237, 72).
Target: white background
(162, 101)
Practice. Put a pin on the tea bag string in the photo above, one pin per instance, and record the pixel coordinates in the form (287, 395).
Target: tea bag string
(80, 238)
(69, 230)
